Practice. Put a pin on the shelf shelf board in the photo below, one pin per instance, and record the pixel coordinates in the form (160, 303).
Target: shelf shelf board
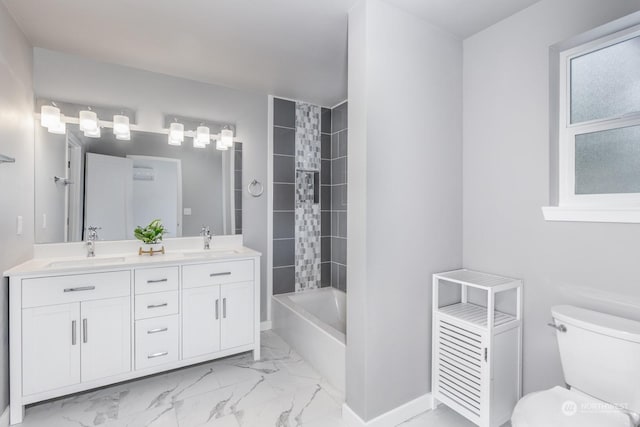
(475, 314)
(479, 280)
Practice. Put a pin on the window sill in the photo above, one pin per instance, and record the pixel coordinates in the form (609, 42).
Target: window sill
(580, 214)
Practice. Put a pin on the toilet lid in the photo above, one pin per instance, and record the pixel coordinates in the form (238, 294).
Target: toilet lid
(559, 407)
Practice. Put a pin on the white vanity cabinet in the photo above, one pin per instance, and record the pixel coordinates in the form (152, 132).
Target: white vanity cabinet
(90, 327)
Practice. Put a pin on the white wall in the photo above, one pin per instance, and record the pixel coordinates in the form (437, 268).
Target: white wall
(506, 181)
(16, 180)
(71, 78)
(405, 198)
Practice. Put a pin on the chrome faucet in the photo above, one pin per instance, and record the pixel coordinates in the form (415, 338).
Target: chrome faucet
(92, 237)
(207, 236)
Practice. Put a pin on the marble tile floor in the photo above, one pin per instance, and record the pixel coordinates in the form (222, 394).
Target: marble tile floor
(281, 390)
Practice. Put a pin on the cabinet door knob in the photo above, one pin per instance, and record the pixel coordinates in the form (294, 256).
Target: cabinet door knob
(73, 332)
(224, 308)
(217, 309)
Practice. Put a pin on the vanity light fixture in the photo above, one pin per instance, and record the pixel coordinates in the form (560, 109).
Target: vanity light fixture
(220, 145)
(124, 137)
(121, 125)
(59, 129)
(226, 137)
(88, 121)
(176, 133)
(202, 138)
(96, 133)
(50, 116)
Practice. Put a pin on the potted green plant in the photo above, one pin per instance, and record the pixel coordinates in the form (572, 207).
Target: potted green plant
(151, 237)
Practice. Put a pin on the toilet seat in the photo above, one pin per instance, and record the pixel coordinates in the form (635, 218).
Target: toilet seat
(560, 407)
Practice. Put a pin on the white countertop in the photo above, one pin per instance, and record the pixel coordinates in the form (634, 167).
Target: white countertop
(126, 260)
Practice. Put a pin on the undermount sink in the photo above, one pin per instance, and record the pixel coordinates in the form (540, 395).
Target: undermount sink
(210, 253)
(86, 262)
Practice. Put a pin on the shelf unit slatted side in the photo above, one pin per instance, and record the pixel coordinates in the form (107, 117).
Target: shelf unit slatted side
(475, 314)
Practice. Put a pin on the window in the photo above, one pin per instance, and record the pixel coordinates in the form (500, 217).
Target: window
(599, 129)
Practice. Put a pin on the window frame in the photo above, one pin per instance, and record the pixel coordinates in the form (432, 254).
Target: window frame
(568, 131)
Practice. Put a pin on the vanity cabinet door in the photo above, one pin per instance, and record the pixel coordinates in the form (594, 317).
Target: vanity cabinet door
(50, 347)
(106, 338)
(201, 312)
(237, 315)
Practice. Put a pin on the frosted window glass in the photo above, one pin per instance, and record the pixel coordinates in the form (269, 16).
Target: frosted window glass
(608, 161)
(606, 83)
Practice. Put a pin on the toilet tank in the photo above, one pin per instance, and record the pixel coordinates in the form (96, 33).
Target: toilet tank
(600, 354)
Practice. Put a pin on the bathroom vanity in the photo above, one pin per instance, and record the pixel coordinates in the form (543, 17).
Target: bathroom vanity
(77, 323)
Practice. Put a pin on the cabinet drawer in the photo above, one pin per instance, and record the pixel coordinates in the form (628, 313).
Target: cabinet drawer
(148, 280)
(217, 273)
(157, 341)
(73, 288)
(157, 304)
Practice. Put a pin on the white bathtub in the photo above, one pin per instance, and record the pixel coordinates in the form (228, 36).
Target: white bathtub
(313, 323)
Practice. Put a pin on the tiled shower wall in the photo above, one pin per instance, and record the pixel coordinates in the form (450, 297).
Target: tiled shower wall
(307, 197)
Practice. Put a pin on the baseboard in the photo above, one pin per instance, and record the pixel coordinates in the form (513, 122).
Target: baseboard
(391, 418)
(4, 418)
(266, 325)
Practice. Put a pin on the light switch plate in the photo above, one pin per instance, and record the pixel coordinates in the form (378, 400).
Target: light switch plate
(187, 211)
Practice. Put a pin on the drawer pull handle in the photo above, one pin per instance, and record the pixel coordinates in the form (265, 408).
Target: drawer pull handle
(226, 273)
(73, 332)
(80, 288)
(155, 331)
(217, 309)
(164, 304)
(158, 281)
(85, 331)
(154, 355)
(224, 308)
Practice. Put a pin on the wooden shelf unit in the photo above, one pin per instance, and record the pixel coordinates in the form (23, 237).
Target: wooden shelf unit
(477, 350)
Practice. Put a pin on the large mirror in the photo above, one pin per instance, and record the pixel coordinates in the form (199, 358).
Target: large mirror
(117, 185)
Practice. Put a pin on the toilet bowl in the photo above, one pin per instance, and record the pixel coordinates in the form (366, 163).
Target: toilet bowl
(600, 357)
(560, 407)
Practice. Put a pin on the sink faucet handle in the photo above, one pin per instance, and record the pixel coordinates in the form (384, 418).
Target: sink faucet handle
(93, 232)
(206, 231)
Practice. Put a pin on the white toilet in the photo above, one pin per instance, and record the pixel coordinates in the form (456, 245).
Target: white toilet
(600, 357)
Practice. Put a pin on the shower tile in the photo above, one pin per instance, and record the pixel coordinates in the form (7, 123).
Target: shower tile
(325, 197)
(325, 172)
(307, 136)
(237, 180)
(326, 120)
(284, 113)
(335, 146)
(325, 243)
(283, 197)
(342, 224)
(284, 141)
(237, 197)
(308, 246)
(342, 278)
(339, 171)
(325, 274)
(283, 169)
(334, 275)
(339, 118)
(339, 197)
(237, 160)
(339, 250)
(343, 143)
(334, 223)
(283, 225)
(325, 146)
(283, 252)
(238, 218)
(284, 280)
(325, 223)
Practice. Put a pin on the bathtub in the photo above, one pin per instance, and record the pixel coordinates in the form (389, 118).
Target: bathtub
(313, 323)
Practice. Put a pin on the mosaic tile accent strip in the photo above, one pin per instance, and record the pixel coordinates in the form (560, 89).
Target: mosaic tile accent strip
(307, 208)
(307, 136)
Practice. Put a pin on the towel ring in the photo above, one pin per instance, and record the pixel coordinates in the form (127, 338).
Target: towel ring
(255, 188)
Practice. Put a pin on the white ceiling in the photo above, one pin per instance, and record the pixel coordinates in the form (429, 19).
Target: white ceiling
(290, 48)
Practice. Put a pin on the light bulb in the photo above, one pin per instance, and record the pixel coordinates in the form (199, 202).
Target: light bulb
(202, 135)
(226, 135)
(124, 136)
(121, 125)
(221, 146)
(176, 133)
(59, 129)
(88, 121)
(96, 133)
(49, 116)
